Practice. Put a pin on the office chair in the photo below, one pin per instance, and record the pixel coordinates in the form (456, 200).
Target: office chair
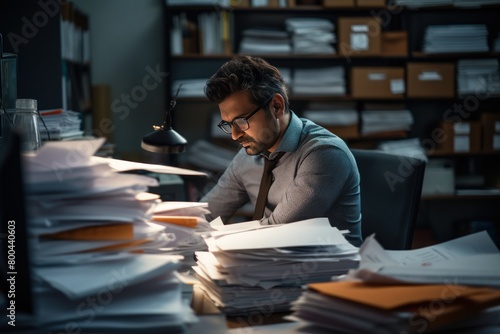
(390, 186)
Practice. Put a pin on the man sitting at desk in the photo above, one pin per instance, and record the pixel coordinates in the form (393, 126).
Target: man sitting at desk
(315, 175)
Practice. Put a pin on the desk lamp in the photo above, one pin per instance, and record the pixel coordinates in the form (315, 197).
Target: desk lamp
(164, 139)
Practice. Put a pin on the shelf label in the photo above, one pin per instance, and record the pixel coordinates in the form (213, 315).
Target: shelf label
(461, 144)
(376, 76)
(398, 86)
(430, 76)
(496, 142)
(461, 128)
(359, 37)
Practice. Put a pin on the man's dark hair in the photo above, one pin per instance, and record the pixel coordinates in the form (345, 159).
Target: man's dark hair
(246, 74)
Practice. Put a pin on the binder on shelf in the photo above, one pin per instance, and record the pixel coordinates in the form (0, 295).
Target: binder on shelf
(461, 137)
(491, 131)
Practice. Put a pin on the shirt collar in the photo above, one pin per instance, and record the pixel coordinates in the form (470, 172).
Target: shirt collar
(291, 138)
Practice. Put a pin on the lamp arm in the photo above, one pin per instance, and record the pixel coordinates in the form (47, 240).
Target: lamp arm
(167, 124)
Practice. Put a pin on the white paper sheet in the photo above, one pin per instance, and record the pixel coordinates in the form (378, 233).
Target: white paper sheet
(473, 259)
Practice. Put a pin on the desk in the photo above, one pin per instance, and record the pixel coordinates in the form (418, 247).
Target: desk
(217, 324)
(211, 320)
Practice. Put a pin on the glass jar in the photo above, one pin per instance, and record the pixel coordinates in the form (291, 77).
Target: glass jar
(26, 120)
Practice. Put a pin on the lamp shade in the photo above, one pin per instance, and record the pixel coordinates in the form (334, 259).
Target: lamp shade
(164, 140)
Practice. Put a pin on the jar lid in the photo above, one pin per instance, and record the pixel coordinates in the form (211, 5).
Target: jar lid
(26, 104)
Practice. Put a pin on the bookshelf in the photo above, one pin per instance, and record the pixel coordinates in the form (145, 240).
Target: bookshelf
(428, 111)
(52, 41)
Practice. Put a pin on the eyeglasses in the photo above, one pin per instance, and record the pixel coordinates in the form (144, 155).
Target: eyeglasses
(241, 123)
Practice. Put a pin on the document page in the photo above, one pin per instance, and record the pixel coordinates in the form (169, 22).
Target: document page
(472, 259)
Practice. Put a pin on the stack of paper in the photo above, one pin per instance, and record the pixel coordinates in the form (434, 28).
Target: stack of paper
(469, 260)
(411, 147)
(185, 224)
(474, 3)
(358, 307)
(332, 113)
(311, 35)
(434, 3)
(223, 3)
(450, 286)
(478, 76)
(254, 268)
(61, 124)
(385, 122)
(319, 81)
(189, 87)
(456, 38)
(89, 229)
(265, 41)
(423, 3)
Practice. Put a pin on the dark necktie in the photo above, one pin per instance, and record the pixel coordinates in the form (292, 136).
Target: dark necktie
(265, 184)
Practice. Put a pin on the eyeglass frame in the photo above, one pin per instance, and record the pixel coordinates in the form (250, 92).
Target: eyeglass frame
(222, 123)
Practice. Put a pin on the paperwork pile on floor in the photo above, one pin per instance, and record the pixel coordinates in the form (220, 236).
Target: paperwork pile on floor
(89, 237)
(251, 269)
(451, 286)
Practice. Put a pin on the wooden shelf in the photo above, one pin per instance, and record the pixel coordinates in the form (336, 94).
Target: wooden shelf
(284, 56)
(440, 154)
(459, 197)
(455, 55)
(299, 8)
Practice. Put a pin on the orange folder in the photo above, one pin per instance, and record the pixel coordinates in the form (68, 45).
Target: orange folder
(95, 233)
(460, 301)
(187, 221)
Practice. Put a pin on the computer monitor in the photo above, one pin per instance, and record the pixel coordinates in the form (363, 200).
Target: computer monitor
(15, 273)
(8, 89)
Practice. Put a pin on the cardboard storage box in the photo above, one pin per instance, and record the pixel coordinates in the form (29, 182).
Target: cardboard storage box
(377, 82)
(359, 36)
(240, 3)
(344, 131)
(431, 80)
(394, 43)
(491, 131)
(338, 3)
(371, 3)
(461, 137)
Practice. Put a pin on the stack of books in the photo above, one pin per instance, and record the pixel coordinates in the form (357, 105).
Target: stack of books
(254, 269)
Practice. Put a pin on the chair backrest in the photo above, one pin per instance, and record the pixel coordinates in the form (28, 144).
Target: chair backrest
(391, 186)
